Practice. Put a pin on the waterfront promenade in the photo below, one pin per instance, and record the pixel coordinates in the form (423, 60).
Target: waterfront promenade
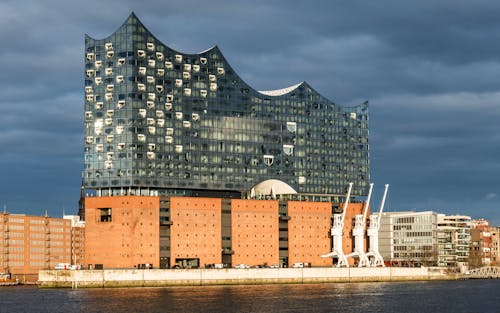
(196, 277)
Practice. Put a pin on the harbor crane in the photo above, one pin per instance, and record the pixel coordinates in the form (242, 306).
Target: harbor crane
(373, 232)
(359, 234)
(337, 231)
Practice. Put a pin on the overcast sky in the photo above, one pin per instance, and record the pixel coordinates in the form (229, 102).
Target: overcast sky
(430, 70)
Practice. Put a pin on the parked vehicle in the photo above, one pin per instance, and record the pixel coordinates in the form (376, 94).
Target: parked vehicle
(67, 266)
(242, 266)
(63, 266)
(298, 265)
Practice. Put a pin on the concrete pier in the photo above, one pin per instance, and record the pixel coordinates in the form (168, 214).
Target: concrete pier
(197, 277)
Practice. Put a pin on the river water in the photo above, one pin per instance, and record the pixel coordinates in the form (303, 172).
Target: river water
(437, 296)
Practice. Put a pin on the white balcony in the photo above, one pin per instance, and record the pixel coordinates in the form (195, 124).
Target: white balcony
(291, 126)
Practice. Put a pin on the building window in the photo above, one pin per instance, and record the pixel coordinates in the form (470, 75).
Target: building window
(105, 215)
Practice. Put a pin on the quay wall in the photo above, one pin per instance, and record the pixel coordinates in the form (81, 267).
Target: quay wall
(198, 277)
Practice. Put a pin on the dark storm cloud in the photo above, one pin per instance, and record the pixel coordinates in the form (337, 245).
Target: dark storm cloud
(429, 69)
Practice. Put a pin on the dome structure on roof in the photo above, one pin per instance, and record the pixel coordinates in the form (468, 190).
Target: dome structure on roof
(271, 187)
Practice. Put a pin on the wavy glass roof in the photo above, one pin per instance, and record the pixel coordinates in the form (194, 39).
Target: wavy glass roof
(168, 120)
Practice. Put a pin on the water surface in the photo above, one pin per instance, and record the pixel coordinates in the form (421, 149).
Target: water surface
(441, 296)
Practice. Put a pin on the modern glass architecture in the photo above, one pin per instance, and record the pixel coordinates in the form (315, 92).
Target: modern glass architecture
(162, 122)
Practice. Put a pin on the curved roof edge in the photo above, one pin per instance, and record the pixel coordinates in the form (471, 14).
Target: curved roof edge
(271, 93)
(280, 92)
(133, 16)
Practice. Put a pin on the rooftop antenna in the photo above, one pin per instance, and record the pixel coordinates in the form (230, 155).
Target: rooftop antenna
(337, 231)
(373, 232)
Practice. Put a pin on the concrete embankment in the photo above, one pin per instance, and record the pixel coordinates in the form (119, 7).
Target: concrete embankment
(197, 277)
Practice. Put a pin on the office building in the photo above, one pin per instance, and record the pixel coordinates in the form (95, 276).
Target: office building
(495, 244)
(31, 243)
(77, 239)
(409, 238)
(481, 244)
(185, 163)
(453, 241)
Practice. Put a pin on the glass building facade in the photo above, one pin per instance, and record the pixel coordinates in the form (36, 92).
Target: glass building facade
(164, 122)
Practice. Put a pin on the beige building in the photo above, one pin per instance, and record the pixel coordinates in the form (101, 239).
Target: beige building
(453, 240)
(495, 245)
(31, 243)
(408, 238)
(77, 239)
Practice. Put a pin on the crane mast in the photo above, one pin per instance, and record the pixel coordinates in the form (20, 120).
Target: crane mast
(359, 234)
(373, 231)
(337, 231)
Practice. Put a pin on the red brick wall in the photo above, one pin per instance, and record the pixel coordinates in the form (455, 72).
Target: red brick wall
(255, 232)
(309, 232)
(196, 229)
(131, 238)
